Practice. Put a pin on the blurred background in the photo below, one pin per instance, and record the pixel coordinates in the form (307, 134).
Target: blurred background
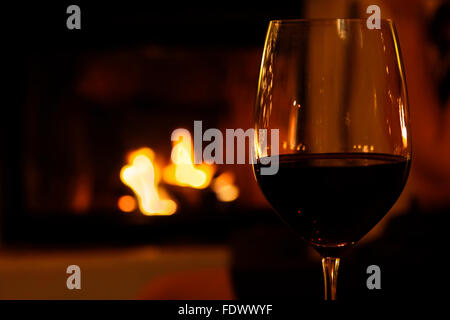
(82, 105)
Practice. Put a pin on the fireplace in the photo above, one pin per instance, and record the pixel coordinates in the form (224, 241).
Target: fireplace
(92, 108)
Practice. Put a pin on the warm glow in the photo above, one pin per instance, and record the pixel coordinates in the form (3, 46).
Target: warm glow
(141, 175)
(126, 203)
(403, 123)
(224, 187)
(364, 148)
(182, 172)
(293, 126)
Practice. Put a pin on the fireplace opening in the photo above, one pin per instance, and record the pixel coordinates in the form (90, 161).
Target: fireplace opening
(88, 152)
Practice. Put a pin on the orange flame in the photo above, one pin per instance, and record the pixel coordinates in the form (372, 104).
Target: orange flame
(182, 171)
(224, 187)
(126, 203)
(142, 177)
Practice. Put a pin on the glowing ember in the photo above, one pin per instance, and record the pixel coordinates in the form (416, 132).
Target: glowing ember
(182, 171)
(126, 203)
(142, 177)
(224, 187)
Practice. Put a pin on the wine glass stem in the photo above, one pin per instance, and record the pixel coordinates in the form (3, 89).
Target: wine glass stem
(330, 267)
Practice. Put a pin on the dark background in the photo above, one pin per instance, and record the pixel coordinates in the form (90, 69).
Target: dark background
(268, 259)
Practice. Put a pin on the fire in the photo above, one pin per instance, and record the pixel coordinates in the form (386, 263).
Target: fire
(142, 176)
(126, 203)
(224, 187)
(182, 172)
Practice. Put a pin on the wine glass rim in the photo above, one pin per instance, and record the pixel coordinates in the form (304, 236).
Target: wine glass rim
(325, 20)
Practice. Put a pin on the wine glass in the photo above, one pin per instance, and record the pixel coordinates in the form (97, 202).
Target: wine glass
(335, 91)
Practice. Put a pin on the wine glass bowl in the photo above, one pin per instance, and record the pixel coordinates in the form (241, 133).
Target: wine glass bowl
(336, 92)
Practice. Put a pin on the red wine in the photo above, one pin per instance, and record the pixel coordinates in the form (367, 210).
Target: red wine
(332, 200)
